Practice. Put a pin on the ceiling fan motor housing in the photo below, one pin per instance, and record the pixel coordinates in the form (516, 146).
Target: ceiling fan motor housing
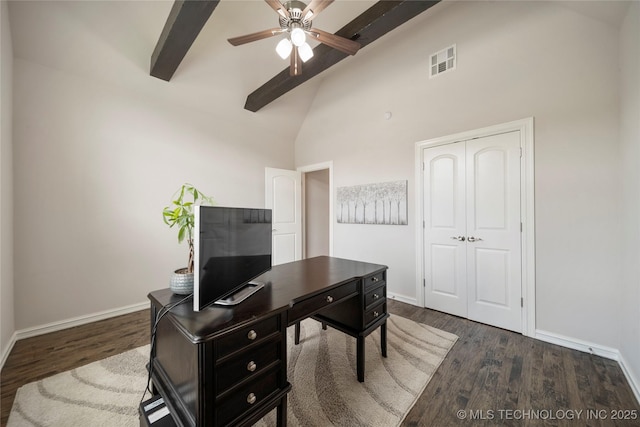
(295, 20)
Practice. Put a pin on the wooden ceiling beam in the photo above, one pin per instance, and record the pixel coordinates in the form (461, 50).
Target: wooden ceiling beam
(374, 23)
(186, 19)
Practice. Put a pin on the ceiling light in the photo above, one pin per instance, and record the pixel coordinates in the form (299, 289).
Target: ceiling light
(305, 51)
(284, 48)
(297, 37)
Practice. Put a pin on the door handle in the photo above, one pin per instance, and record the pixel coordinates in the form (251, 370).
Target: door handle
(458, 238)
(473, 239)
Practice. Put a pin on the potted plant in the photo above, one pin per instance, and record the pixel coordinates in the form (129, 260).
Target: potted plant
(180, 214)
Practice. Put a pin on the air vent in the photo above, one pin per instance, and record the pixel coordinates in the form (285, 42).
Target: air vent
(443, 61)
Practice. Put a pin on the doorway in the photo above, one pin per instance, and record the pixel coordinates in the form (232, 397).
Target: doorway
(302, 204)
(316, 219)
(317, 202)
(475, 248)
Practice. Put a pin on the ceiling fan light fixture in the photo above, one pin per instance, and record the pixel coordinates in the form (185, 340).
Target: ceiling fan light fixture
(298, 38)
(305, 51)
(295, 21)
(284, 48)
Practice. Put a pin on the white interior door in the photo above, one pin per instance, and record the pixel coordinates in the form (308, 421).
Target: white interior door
(445, 229)
(472, 250)
(283, 195)
(493, 231)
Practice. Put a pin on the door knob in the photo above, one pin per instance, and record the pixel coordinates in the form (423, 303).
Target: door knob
(458, 238)
(473, 239)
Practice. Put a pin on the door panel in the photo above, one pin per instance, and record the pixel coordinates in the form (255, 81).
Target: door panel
(284, 199)
(491, 277)
(489, 182)
(284, 248)
(444, 207)
(443, 191)
(283, 193)
(493, 215)
(443, 264)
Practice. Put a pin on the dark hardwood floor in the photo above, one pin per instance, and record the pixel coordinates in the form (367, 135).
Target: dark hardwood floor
(39, 357)
(491, 377)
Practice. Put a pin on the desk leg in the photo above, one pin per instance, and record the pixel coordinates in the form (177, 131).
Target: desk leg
(282, 413)
(360, 358)
(297, 335)
(383, 338)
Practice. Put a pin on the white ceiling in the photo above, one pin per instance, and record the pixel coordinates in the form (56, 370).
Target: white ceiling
(106, 38)
(610, 12)
(258, 60)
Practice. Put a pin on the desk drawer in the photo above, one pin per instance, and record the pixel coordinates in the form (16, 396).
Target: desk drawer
(375, 313)
(247, 364)
(246, 398)
(374, 280)
(247, 335)
(375, 295)
(309, 306)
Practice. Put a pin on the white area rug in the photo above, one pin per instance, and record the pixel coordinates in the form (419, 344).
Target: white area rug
(322, 370)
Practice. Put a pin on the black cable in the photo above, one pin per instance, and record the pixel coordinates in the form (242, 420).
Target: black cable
(159, 315)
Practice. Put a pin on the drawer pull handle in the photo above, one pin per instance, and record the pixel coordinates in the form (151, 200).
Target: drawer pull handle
(251, 366)
(251, 399)
(252, 335)
(374, 279)
(376, 314)
(376, 296)
(329, 298)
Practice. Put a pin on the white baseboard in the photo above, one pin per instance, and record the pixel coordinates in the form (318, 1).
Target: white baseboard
(595, 349)
(403, 298)
(634, 381)
(77, 321)
(576, 344)
(7, 350)
(68, 323)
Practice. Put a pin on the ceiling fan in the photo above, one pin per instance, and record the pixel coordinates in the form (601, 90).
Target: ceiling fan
(295, 21)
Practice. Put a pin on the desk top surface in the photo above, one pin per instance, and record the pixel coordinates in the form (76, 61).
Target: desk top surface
(285, 285)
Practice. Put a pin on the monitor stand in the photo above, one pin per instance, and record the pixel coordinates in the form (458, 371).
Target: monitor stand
(241, 295)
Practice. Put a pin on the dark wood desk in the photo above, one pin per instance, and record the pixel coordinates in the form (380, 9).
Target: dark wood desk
(226, 366)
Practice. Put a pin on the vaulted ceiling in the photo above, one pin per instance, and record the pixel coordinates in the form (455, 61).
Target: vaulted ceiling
(187, 18)
(109, 42)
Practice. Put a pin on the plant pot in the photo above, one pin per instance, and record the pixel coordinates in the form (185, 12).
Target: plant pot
(181, 282)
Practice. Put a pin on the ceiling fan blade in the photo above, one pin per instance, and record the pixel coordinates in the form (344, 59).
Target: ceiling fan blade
(296, 63)
(278, 7)
(247, 38)
(314, 8)
(342, 44)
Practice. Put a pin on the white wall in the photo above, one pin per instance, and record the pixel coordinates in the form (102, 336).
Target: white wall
(7, 326)
(515, 60)
(100, 147)
(630, 151)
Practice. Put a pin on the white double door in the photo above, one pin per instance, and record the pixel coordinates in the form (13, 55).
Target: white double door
(472, 229)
